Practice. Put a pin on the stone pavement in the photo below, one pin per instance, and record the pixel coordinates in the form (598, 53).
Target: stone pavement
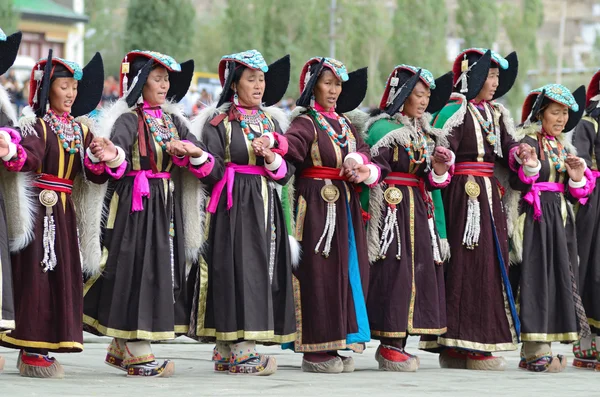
(87, 375)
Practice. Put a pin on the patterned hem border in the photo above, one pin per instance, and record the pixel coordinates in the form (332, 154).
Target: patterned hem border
(40, 345)
(258, 336)
(564, 337)
(477, 346)
(136, 334)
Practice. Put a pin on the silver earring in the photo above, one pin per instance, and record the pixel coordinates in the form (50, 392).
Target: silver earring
(312, 101)
(236, 99)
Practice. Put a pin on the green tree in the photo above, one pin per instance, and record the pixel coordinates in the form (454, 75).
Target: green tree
(104, 33)
(521, 24)
(477, 21)
(160, 25)
(419, 35)
(9, 17)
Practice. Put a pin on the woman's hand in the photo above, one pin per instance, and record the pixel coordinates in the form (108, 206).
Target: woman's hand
(103, 149)
(4, 149)
(575, 167)
(527, 155)
(440, 160)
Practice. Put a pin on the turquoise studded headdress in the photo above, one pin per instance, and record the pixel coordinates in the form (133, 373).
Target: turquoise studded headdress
(354, 84)
(471, 68)
(277, 75)
(89, 89)
(539, 98)
(134, 73)
(9, 48)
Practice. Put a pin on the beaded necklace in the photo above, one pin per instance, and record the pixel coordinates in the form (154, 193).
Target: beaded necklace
(487, 125)
(325, 126)
(162, 129)
(68, 133)
(255, 119)
(420, 146)
(557, 160)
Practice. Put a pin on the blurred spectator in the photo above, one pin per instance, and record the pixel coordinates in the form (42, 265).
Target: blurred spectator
(111, 90)
(189, 100)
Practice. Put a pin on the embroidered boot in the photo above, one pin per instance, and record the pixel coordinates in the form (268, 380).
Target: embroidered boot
(453, 358)
(140, 361)
(116, 354)
(322, 363)
(394, 359)
(246, 361)
(539, 358)
(585, 353)
(35, 365)
(347, 361)
(485, 362)
(221, 356)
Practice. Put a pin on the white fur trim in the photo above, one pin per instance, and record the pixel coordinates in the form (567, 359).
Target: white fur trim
(280, 116)
(27, 122)
(458, 118)
(295, 250)
(275, 164)
(271, 139)
(373, 175)
(358, 119)
(376, 208)
(577, 185)
(206, 115)
(91, 156)
(517, 158)
(199, 160)
(439, 178)
(7, 107)
(21, 204)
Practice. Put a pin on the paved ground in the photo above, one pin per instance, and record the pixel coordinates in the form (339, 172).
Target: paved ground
(86, 375)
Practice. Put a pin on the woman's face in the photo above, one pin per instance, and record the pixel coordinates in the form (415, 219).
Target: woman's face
(63, 92)
(327, 90)
(250, 88)
(157, 86)
(490, 86)
(554, 118)
(417, 102)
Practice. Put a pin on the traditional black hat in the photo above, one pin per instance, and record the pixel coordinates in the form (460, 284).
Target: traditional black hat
(89, 89)
(277, 75)
(540, 97)
(9, 48)
(354, 84)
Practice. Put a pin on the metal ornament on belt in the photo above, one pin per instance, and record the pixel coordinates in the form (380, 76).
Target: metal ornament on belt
(393, 195)
(49, 198)
(330, 193)
(472, 189)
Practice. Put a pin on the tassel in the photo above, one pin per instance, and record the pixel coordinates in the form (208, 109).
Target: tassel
(273, 246)
(472, 227)
(125, 71)
(49, 238)
(171, 238)
(328, 231)
(437, 256)
(387, 236)
(464, 68)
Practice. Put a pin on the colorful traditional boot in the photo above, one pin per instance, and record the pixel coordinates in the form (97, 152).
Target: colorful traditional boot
(485, 362)
(585, 358)
(140, 361)
(522, 361)
(547, 364)
(391, 358)
(246, 361)
(116, 354)
(453, 358)
(34, 365)
(322, 363)
(347, 361)
(221, 357)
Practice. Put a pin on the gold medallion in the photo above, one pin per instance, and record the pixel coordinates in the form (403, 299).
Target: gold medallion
(48, 198)
(330, 193)
(393, 195)
(472, 189)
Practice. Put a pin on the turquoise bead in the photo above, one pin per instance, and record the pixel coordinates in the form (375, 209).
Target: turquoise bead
(159, 138)
(65, 145)
(243, 124)
(251, 136)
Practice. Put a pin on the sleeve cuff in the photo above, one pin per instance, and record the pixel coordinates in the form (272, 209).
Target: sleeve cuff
(199, 160)
(577, 185)
(91, 156)
(439, 179)
(517, 158)
(275, 164)
(452, 161)
(355, 156)
(271, 139)
(531, 171)
(12, 151)
(117, 161)
(373, 176)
